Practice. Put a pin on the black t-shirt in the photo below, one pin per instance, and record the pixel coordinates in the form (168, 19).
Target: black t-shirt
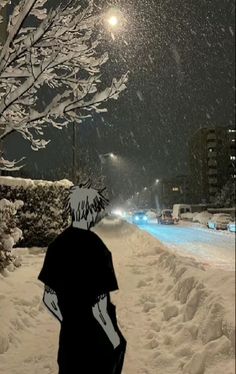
(78, 267)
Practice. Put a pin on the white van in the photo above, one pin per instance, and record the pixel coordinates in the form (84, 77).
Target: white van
(179, 209)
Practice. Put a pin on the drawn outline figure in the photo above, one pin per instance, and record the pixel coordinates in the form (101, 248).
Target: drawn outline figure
(85, 204)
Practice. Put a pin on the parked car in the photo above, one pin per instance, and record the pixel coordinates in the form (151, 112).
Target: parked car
(219, 221)
(166, 217)
(139, 218)
(231, 227)
(151, 215)
(179, 209)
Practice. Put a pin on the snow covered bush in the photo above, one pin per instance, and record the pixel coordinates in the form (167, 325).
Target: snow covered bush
(43, 215)
(10, 234)
(59, 54)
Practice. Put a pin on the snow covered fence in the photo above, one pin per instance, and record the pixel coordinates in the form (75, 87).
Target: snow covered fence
(10, 234)
(43, 215)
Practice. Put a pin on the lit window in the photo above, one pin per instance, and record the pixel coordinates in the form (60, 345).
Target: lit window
(175, 189)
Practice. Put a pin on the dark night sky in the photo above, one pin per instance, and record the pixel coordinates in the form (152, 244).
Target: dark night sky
(180, 55)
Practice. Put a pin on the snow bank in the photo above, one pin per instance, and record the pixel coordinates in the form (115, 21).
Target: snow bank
(202, 217)
(188, 216)
(28, 333)
(197, 315)
(110, 222)
(114, 227)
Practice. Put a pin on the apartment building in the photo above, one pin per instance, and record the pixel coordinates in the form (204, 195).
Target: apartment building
(174, 190)
(212, 162)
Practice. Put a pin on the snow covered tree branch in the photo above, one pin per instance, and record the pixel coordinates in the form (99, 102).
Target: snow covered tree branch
(61, 53)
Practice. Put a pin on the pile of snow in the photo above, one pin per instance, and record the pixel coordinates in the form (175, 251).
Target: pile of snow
(188, 216)
(196, 317)
(151, 216)
(202, 217)
(114, 228)
(28, 333)
(114, 221)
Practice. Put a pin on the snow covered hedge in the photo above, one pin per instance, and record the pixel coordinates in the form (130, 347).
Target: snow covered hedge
(10, 234)
(43, 215)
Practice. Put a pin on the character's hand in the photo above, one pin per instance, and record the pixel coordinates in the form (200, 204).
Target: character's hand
(102, 316)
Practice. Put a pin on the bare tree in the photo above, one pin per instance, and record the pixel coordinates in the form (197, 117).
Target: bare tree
(61, 53)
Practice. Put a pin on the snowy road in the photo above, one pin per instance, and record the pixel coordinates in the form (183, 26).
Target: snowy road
(212, 247)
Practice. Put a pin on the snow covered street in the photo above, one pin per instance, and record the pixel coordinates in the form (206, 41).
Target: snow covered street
(177, 317)
(215, 248)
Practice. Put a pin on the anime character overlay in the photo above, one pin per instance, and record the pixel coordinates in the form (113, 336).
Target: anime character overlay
(85, 204)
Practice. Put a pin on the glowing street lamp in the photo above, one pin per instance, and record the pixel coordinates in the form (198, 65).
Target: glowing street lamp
(113, 21)
(113, 156)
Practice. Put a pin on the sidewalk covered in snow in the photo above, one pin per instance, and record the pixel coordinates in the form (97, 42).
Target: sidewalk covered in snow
(177, 316)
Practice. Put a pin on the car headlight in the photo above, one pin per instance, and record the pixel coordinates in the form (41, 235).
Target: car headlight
(136, 218)
(145, 218)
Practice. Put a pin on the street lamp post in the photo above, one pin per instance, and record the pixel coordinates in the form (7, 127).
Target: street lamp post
(103, 157)
(74, 149)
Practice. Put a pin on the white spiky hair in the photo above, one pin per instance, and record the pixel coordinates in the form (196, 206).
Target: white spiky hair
(85, 202)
